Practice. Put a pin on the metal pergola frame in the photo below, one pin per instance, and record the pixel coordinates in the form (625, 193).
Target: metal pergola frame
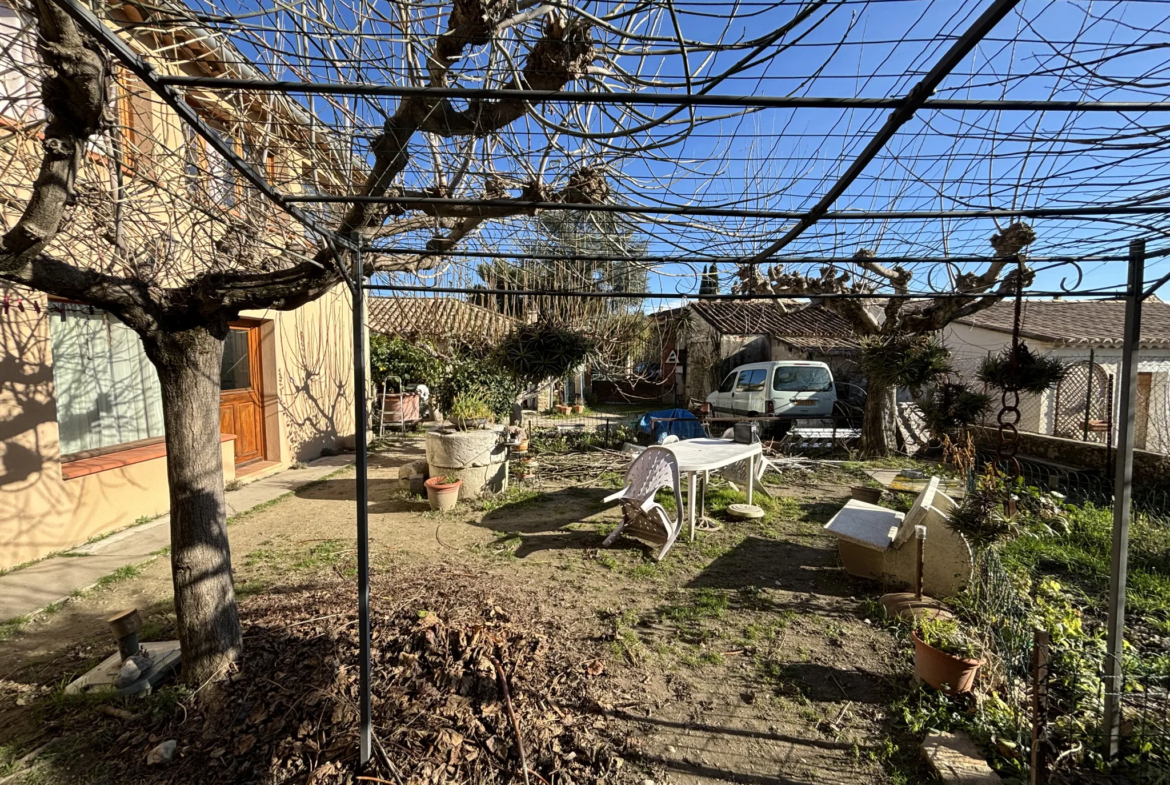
(903, 110)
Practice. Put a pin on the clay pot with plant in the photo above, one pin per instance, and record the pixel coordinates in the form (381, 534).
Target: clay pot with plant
(563, 409)
(443, 492)
(515, 438)
(945, 656)
(578, 408)
(469, 412)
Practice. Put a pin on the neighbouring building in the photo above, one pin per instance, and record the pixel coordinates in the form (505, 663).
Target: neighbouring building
(1087, 336)
(708, 339)
(440, 321)
(81, 430)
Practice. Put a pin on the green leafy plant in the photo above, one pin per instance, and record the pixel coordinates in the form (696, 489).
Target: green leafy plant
(470, 406)
(1032, 373)
(393, 358)
(949, 407)
(912, 361)
(999, 509)
(471, 372)
(535, 352)
(947, 636)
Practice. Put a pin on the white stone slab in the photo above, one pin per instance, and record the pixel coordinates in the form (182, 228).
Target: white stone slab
(867, 525)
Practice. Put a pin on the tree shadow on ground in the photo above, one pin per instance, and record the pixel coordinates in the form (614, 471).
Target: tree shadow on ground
(691, 741)
(777, 564)
(383, 495)
(555, 521)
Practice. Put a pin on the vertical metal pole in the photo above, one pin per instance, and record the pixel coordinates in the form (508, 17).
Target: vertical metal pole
(361, 419)
(1089, 393)
(1122, 490)
(1040, 664)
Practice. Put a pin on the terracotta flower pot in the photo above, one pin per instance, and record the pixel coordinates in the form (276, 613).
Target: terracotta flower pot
(562, 409)
(441, 495)
(945, 672)
(578, 408)
(868, 495)
(522, 446)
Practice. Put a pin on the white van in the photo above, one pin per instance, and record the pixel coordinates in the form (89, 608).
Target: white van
(780, 387)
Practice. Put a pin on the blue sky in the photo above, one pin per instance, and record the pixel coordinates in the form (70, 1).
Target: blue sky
(779, 159)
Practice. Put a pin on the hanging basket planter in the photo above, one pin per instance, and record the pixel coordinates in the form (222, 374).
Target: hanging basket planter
(1031, 373)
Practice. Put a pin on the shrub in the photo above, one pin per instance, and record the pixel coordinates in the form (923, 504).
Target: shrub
(912, 361)
(481, 376)
(535, 352)
(394, 356)
(949, 407)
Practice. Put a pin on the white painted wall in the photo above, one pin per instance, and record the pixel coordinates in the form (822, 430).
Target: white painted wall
(969, 345)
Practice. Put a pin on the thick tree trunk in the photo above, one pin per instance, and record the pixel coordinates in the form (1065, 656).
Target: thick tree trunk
(878, 429)
(188, 365)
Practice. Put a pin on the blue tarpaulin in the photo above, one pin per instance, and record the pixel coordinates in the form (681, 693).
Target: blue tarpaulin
(684, 425)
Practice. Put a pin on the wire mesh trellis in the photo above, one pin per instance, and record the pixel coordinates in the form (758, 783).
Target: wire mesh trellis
(1068, 722)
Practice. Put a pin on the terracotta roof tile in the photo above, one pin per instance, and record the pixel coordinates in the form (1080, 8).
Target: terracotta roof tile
(819, 326)
(438, 318)
(1086, 323)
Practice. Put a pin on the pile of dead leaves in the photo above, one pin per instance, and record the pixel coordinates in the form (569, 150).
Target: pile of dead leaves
(440, 714)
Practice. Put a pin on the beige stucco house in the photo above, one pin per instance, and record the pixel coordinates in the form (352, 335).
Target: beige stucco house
(81, 434)
(1087, 336)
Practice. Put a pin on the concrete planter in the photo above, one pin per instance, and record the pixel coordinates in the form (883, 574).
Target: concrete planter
(475, 457)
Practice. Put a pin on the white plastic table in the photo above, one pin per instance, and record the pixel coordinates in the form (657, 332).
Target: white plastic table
(703, 456)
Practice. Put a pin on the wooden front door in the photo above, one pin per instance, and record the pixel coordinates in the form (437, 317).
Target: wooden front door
(241, 400)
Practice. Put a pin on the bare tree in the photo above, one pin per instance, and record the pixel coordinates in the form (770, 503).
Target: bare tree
(182, 312)
(898, 314)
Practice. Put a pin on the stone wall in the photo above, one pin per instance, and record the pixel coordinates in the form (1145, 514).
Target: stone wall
(1148, 467)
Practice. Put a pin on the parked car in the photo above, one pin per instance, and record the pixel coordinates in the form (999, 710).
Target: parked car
(785, 388)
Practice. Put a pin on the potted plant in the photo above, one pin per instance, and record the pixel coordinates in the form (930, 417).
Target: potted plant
(563, 408)
(443, 492)
(578, 408)
(515, 437)
(945, 657)
(470, 411)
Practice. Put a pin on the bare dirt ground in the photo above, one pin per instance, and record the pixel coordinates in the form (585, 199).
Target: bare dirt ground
(746, 656)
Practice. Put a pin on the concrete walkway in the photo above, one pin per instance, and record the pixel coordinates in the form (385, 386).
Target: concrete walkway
(26, 591)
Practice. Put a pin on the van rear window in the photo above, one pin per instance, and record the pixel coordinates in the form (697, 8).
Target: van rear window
(802, 379)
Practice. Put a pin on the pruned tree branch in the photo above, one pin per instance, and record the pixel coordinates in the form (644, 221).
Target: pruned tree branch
(74, 94)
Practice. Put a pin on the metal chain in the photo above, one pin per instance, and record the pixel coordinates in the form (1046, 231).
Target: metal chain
(1009, 411)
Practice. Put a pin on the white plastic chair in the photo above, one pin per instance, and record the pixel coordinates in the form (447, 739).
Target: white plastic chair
(642, 517)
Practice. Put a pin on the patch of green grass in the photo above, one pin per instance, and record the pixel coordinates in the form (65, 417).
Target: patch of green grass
(123, 573)
(624, 641)
(506, 543)
(696, 605)
(321, 555)
(512, 498)
(607, 561)
(158, 627)
(1080, 556)
(233, 485)
(12, 626)
(250, 587)
(611, 480)
(646, 569)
